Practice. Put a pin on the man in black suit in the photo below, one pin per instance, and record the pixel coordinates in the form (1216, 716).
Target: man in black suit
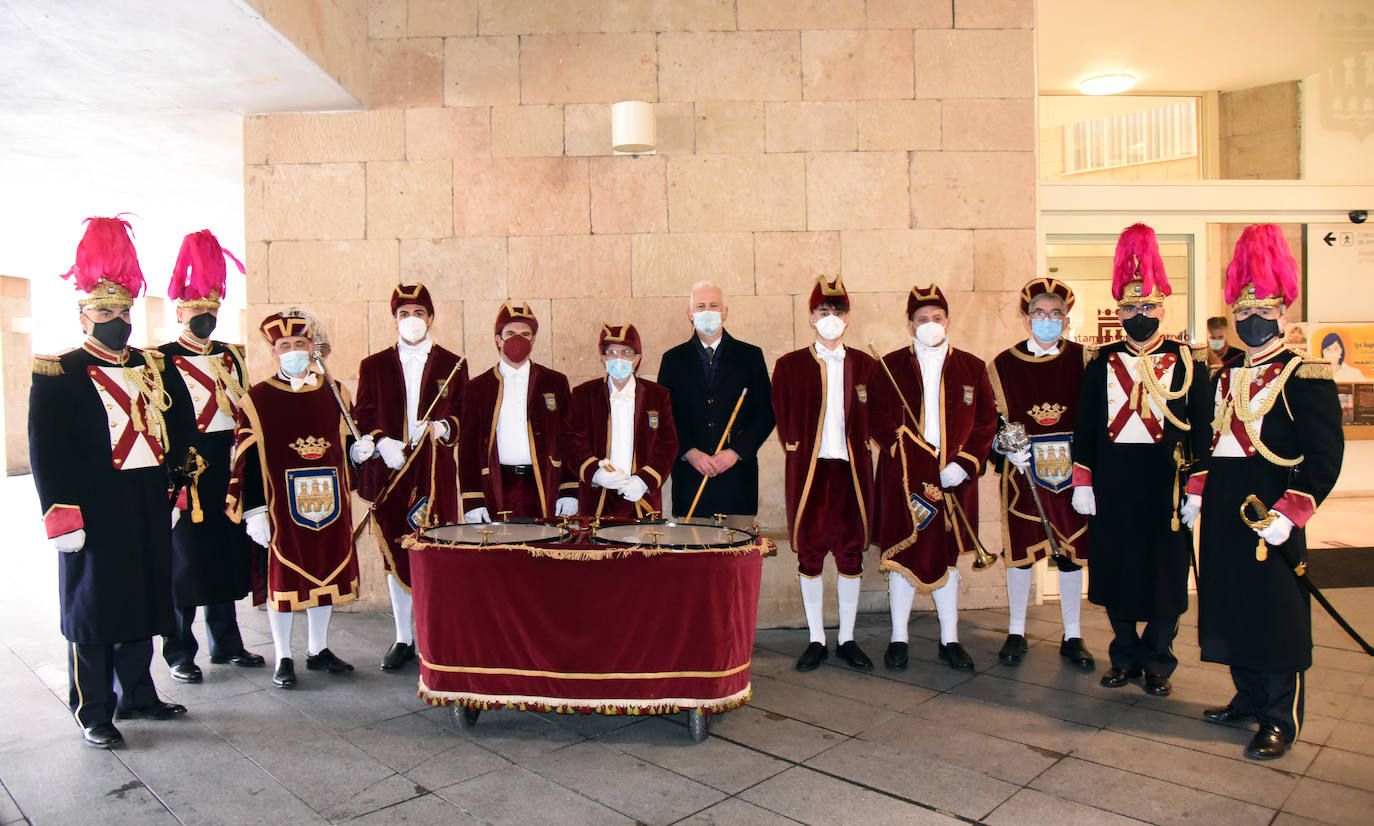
(705, 376)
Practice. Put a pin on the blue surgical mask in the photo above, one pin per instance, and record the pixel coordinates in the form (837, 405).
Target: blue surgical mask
(295, 363)
(1047, 330)
(619, 369)
(707, 322)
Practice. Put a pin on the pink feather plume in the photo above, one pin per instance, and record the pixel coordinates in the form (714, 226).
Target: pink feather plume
(200, 268)
(1262, 258)
(107, 251)
(1137, 251)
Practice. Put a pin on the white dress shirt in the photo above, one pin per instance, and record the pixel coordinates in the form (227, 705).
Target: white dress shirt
(297, 382)
(1040, 350)
(622, 447)
(413, 358)
(833, 443)
(932, 362)
(512, 420)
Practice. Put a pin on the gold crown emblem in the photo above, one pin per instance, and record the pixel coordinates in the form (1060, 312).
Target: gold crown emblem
(412, 292)
(831, 288)
(933, 492)
(1134, 293)
(1247, 298)
(610, 334)
(108, 294)
(1047, 414)
(518, 312)
(310, 447)
(931, 294)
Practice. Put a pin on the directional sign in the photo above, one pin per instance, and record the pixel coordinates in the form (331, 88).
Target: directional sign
(1340, 272)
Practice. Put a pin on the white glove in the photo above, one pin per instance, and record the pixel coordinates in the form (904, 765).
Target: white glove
(439, 428)
(259, 529)
(1020, 460)
(953, 475)
(392, 451)
(476, 516)
(176, 516)
(362, 450)
(604, 478)
(634, 489)
(1084, 501)
(1278, 531)
(69, 543)
(1189, 510)
(565, 506)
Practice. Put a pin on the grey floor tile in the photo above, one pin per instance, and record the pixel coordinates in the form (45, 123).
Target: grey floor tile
(767, 662)
(1286, 819)
(592, 725)
(715, 762)
(1197, 734)
(622, 782)
(1144, 798)
(515, 735)
(1344, 767)
(232, 793)
(773, 733)
(1066, 705)
(734, 811)
(1230, 777)
(1330, 803)
(427, 809)
(816, 707)
(871, 689)
(1334, 679)
(1361, 709)
(811, 797)
(403, 742)
(1329, 703)
(9, 810)
(518, 797)
(1356, 737)
(384, 794)
(463, 760)
(1023, 725)
(63, 781)
(1343, 659)
(1029, 807)
(1003, 759)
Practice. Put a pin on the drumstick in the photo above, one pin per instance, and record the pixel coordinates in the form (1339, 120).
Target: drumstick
(719, 447)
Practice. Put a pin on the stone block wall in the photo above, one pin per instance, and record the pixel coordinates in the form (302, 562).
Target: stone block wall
(1260, 132)
(16, 368)
(892, 141)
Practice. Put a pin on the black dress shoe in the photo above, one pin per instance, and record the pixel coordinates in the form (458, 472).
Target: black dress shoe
(243, 659)
(397, 656)
(1013, 650)
(102, 736)
(1157, 685)
(852, 654)
(186, 673)
(1226, 714)
(285, 674)
(1267, 743)
(895, 658)
(1072, 650)
(956, 656)
(160, 710)
(326, 661)
(812, 657)
(1117, 677)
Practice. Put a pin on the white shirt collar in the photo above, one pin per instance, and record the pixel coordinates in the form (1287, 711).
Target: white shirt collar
(419, 351)
(826, 353)
(298, 382)
(626, 392)
(925, 353)
(523, 371)
(1037, 349)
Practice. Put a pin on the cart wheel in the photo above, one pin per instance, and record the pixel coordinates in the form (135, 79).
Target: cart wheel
(699, 724)
(465, 717)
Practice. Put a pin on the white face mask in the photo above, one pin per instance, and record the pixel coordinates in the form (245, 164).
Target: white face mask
(706, 322)
(830, 327)
(295, 362)
(1217, 344)
(931, 334)
(412, 329)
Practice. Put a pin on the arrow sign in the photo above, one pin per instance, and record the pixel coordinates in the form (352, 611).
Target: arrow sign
(1330, 239)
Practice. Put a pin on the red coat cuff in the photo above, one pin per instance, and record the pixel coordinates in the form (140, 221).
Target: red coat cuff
(1082, 477)
(62, 519)
(1196, 483)
(1297, 506)
(181, 499)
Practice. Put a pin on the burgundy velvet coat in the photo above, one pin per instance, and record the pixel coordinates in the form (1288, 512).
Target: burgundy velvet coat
(919, 536)
(799, 390)
(589, 438)
(479, 465)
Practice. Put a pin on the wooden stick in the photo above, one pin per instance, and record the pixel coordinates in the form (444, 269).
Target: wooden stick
(719, 447)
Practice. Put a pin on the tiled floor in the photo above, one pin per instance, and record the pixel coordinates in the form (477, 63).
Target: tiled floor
(1041, 743)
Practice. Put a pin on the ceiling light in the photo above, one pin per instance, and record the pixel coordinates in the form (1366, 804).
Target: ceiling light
(1111, 84)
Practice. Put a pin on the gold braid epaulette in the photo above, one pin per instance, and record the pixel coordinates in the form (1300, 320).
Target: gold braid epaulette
(1316, 370)
(47, 365)
(1089, 352)
(156, 359)
(1199, 351)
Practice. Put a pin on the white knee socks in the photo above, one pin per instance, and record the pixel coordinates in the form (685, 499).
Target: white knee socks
(813, 590)
(1018, 597)
(847, 588)
(318, 621)
(1071, 601)
(900, 595)
(280, 623)
(402, 609)
(947, 608)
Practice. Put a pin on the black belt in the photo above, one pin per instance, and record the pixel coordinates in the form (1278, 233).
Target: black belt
(518, 470)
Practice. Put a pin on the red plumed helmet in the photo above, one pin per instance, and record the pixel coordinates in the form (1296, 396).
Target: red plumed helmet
(1138, 260)
(1262, 271)
(198, 279)
(106, 267)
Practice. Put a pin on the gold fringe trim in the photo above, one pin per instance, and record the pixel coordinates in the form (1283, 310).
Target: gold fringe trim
(891, 567)
(765, 547)
(1316, 370)
(47, 366)
(665, 705)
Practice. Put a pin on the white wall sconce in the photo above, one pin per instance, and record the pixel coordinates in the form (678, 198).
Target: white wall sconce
(1112, 84)
(633, 131)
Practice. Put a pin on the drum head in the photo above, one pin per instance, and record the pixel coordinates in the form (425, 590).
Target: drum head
(501, 533)
(673, 535)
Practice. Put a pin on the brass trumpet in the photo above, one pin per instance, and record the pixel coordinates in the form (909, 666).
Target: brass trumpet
(982, 558)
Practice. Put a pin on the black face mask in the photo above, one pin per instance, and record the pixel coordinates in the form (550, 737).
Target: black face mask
(1140, 327)
(1256, 330)
(201, 325)
(113, 334)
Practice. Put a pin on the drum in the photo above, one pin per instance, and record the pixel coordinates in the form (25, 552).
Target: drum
(494, 533)
(675, 535)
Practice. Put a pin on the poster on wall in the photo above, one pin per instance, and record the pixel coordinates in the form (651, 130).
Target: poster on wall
(1349, 348)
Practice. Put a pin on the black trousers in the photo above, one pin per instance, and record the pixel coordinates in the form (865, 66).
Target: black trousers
(1151, 652)
(221, 621)
(103, 678)
(1274, 697)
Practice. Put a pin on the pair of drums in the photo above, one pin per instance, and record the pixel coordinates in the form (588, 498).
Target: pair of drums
(666, 534)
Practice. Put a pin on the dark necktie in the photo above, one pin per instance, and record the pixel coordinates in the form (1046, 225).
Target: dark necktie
(708, 364)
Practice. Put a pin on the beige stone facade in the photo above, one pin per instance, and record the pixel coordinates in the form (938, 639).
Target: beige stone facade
(892, 142)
